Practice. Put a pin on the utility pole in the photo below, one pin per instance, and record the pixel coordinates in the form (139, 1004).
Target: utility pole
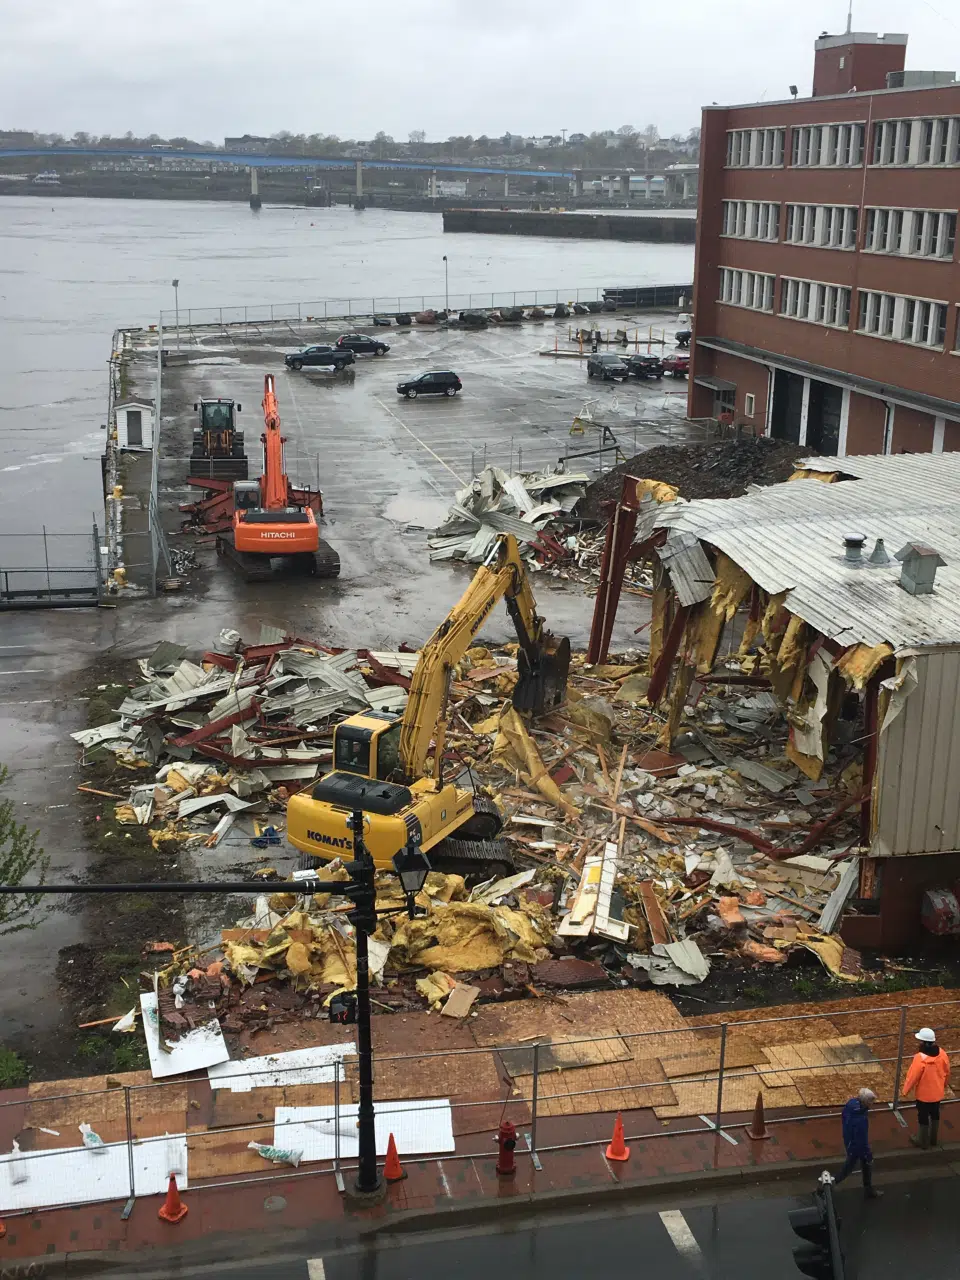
(176, 308)
(446, 283)
(563, 135)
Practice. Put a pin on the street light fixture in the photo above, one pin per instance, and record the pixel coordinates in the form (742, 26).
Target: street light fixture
(176, 307)
(446, 282)
(412, 867)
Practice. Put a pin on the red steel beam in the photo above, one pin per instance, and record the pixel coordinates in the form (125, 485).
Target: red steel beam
(616, 548)
(671, 647)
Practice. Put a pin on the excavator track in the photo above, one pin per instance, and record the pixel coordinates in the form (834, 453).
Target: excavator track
(472, 859)
(487, 820)
(257, 568)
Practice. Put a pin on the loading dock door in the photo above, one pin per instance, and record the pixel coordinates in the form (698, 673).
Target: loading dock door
(787, 406)
(823, 418)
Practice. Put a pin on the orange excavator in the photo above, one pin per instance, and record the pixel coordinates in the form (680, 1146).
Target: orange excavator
(270, 533)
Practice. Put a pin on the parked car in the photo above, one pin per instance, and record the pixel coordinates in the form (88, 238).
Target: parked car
(606, 366)
(362, 344)
(644, 366)
(436, 383)
(678, 365)
(319, 356)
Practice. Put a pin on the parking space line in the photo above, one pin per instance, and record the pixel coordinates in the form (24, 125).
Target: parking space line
(456, 475)
(315, 1269)
(684, 1241)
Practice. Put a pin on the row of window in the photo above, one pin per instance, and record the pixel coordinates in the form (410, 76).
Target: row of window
(827, 144)
(828, 226)
(926, 141)
(911, 233)
(751, 289)
(751, 219)
(815, 301)
(915, 320)
(919, 321)
(914, 142)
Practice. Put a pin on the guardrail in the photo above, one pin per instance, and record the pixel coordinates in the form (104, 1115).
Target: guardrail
(535, 1095)
(29, 579)
(410, 304)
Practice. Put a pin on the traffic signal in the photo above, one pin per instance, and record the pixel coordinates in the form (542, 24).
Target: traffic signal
(817, 1255)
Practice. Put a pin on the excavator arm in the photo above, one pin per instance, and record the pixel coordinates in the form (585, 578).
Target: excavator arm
(543, 662)
(274, 486)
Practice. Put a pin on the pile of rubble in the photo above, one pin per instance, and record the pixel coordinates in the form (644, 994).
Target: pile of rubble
(237, 731)
(531, 506)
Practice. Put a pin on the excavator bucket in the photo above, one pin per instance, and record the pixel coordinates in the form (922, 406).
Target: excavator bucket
(542, 683)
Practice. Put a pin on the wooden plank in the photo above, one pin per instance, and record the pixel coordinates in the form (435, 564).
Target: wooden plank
(659, 932)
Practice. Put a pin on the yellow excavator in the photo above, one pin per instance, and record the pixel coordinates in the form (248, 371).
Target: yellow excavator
(382, 763)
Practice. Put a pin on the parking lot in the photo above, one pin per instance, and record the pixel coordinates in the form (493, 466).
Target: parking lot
(389, 467)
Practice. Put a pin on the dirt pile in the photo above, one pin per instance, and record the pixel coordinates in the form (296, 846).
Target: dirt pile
(720, 469)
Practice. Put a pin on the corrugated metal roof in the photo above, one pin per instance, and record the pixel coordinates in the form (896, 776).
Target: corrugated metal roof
(690, 571)
(789, 537)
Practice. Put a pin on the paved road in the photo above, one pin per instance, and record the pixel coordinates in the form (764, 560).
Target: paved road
(915, 1229)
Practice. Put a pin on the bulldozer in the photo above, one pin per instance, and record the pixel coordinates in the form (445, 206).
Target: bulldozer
(382, 762)
(217, 452)
(270, 532)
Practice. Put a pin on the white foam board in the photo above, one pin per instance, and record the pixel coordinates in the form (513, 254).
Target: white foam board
(201, 1048)
(299, 1066)
(80, 1175)
(420, 1127)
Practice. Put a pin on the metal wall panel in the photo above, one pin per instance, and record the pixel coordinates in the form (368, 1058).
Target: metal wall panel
(917, 788)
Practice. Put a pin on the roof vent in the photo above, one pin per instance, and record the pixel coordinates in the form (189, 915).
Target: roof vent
(853, 547)
(879, 553)
(920, 564)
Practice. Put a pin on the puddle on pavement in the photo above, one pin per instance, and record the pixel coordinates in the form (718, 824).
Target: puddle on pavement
(421, 512)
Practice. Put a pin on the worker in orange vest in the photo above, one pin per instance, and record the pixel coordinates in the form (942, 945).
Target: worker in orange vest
(929, 1075)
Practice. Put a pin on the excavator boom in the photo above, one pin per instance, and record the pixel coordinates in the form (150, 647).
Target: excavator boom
(542, 662)
(274, 486)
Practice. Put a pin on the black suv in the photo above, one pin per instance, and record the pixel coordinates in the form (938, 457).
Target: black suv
(443, 383)
(362, 345)
(319, 356)
(644, 366)
(606, 366)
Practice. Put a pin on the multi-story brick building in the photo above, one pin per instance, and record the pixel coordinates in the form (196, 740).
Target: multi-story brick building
(827, 279)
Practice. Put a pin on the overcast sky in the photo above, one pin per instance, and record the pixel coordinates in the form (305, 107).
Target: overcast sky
(206, 68)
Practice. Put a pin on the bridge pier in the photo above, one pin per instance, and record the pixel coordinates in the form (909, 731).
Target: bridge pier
(432, 188)
(359, 178)
(506, 186)
(625, 185)
(255, 201)
(578, 184)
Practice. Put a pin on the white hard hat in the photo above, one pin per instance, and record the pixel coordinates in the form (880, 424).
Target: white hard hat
(927, 1035)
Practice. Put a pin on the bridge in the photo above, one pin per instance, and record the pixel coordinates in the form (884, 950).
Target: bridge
(257, 162)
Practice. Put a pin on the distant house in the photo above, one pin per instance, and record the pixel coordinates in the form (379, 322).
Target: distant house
(249, 144)
(17, 138)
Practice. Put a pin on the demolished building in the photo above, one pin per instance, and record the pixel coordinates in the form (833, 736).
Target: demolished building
(839, 592)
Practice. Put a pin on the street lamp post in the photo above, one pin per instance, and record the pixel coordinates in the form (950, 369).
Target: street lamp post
(446, 282)
(176, 308)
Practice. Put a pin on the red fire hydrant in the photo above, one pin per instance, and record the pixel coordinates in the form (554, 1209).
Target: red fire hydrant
(506, 1143)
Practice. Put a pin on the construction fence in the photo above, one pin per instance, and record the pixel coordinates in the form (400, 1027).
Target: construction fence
(688, 1079)
(50, 569)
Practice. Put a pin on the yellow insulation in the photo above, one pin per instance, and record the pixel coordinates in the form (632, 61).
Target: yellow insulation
(859, 663)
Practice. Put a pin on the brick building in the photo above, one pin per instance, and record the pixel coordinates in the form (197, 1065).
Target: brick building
(827, 280)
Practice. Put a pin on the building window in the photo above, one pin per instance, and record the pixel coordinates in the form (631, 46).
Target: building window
(828, 226)
(933, 141)
(751, 289)
(751, 219)
(913, 233)
(755, 148)
(749, 404)
(815, 301)
(921, 322)
(827, 145)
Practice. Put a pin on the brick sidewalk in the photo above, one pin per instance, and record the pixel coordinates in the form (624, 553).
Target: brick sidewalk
(254, 1212)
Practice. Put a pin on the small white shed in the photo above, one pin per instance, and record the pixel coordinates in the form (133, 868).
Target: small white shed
(135, 424)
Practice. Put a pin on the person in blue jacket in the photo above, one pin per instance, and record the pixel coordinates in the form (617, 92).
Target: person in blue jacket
(856, 1140)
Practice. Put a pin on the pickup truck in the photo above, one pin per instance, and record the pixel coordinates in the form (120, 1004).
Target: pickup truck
(323, 355)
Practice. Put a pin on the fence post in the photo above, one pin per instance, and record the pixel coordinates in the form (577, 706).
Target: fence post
(895, 1104)
(338, 1176)
(723, 1057)
(534, 1096)
(128, 1207)
(97, 562)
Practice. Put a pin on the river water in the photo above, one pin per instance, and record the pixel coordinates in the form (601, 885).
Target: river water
(73, 270)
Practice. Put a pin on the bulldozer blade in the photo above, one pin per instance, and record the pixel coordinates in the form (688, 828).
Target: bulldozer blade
(542, 683)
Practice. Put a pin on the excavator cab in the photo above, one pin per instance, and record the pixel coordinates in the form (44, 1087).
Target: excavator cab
(368, 744)
(246, 495)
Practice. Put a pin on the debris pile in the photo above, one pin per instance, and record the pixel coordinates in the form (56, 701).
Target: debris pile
(531, 506)
(244, 726)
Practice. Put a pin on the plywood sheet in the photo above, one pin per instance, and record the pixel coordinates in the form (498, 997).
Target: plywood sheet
(616, 1086)
(583, 1013)
(699, 1097)
(217, 1155)
(739, 1052)
(566, 1054)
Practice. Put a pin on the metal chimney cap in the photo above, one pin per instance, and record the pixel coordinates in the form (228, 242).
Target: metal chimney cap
(919, 550)
(879, 553)
(854, 539)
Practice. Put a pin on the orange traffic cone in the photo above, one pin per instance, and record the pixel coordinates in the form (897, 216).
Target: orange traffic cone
(618, 1149)
(173, 1208)
(758, 1127)
(393, 1171)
